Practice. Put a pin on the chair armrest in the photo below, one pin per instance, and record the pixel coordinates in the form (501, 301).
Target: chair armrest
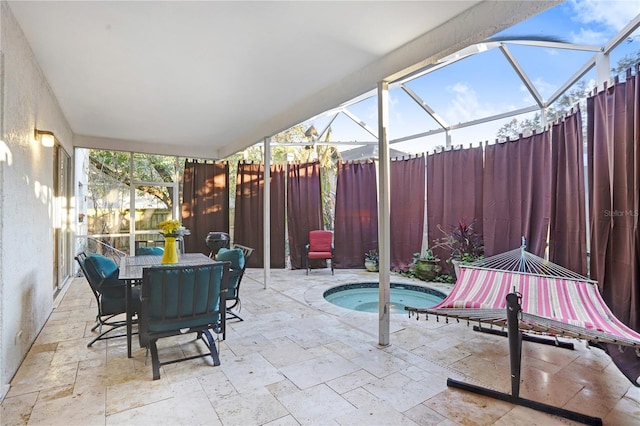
(307, 247)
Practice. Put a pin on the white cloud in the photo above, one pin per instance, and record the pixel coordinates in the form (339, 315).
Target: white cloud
(543, 87)
(464, 105)
(611, 15)
(590, 37)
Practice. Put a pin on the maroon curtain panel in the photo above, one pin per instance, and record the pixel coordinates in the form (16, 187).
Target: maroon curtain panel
(278, 219)
(249, 222)
(205, 202)
(516, 196)
(567, 228)
(613, 146)
(407, 191)
(356, 217)
(304, 208)
(454, 192)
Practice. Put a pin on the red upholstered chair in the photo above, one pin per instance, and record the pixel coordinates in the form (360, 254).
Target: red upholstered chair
(320, 247)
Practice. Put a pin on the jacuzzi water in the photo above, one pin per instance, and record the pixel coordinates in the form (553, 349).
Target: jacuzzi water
(363, 297)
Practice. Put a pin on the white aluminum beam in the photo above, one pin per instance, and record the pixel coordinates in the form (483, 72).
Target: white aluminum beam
(495, 117)
(425, 106)
(622, 34)
(467, 124)
(327, 126)
(446, 61)
(359, 122)
(575, 77)
(554, 45)
(523, 75)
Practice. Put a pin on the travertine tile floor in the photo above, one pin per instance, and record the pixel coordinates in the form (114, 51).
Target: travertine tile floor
(298, 360)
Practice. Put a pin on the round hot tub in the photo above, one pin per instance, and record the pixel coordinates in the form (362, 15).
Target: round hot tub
(363, 297)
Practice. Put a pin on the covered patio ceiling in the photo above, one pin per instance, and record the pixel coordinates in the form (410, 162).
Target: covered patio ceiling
(207, 79)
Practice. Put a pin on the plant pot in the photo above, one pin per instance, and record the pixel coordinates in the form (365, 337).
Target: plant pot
(371, 266)
(427, 270)
(456, 266)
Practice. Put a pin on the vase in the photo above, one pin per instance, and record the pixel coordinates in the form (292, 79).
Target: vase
(170, 254)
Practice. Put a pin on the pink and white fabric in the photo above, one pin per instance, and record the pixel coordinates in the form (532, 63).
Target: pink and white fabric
(567, 301)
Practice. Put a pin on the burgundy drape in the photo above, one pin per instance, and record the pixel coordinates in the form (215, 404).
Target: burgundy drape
(613, 146)
(567, 229)
(407, 191)
(248, 224)
(304, 208)
(516, 194)
(205, 202)
(454, 192)
(356, 216)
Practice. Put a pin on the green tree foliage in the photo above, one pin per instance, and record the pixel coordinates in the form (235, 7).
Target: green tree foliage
(626, 62)
(147, 168)
(560, 108)
(577, 96)
(327, 156)
(109, 182)
(514, 128)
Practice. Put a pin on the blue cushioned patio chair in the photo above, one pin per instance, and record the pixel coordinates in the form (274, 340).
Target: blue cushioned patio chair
(102, 273)
(149, 251)
(179, 299)
(238, 256)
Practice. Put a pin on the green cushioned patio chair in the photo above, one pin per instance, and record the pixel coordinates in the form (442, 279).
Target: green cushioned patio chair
(238, 256)
(179, 299)
(102, 273)
(149, 251)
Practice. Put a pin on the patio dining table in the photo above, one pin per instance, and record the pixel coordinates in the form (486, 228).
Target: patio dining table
(131, 270)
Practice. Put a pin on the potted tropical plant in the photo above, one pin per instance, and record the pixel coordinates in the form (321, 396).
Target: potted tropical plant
(464, 244)
(371, 260)
(426, 265)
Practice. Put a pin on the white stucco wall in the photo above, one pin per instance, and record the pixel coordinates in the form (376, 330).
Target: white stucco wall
(26, 179)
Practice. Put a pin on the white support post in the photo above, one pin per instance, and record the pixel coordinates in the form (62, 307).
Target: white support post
(384, 209)
(602, 69)
(132, 209)
(267, 211)
(543, 115)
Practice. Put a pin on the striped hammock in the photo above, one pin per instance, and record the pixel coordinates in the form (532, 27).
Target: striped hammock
(555, 301)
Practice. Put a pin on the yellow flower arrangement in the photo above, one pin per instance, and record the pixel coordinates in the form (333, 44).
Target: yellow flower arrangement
(173, 228)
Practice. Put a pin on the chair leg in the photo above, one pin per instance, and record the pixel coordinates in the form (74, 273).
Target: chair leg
(98, 324)
(103, 334)
(211, 344)
(155, 362)
(332, 266)
(307, 259)
(232, 315)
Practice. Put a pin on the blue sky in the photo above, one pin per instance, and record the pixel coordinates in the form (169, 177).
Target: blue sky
(484, 84)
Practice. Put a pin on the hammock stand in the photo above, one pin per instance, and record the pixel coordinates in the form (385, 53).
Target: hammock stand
(526, 293)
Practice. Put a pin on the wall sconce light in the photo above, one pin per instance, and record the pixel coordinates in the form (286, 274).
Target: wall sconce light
(46, 137)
